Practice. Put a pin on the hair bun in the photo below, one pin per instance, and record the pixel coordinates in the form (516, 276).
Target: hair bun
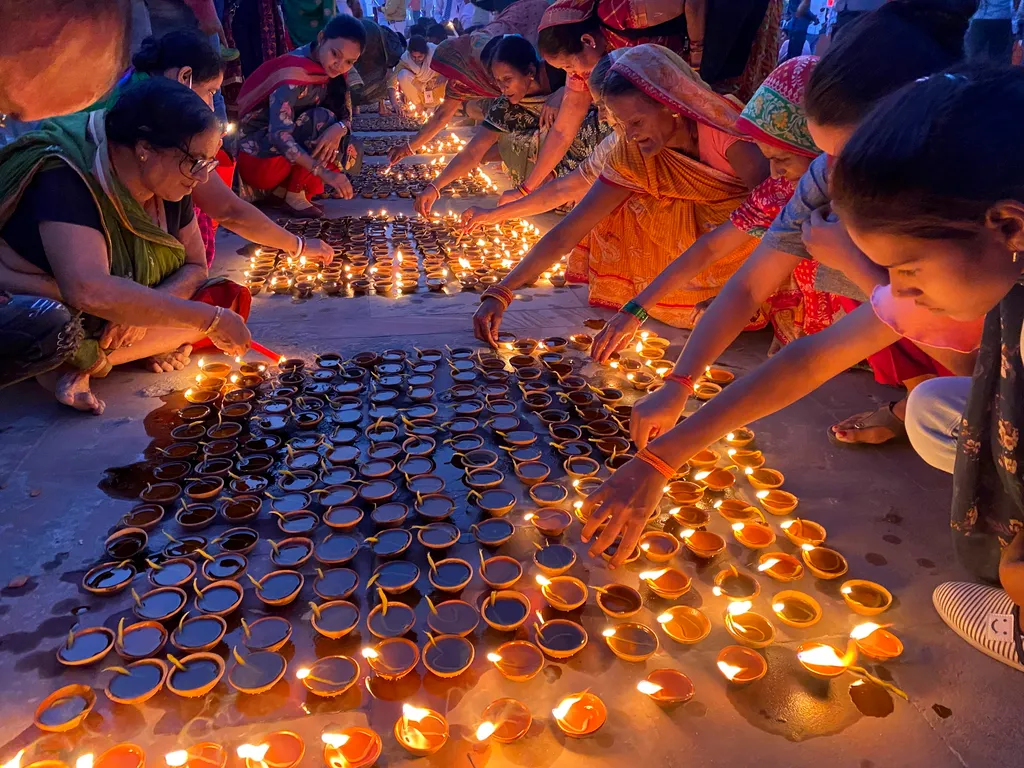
(149, 55)
(945, 21)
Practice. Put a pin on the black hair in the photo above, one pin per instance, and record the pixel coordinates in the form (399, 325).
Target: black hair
(932, 158)
(181, 48)
(160, 111)
(415, 30)
(881, 52)
(437, 32)
(515, 51)
(349, 28)
(418, 44)
(564, 39)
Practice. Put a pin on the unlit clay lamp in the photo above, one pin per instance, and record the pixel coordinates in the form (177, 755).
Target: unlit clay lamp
(395, 577)
(159, 604)
(741, 665)
(658, 546)
(777, 502)
(619, 601)
(669, 583)
(136, 683)
(329, 676)
(802, 532)
(219, 598)
(518, 660)
(392, 659)
(560, 638)
(421, 731)
(140, 640)
(685, 624)
(796, 609)
(447, 655)
(65, 708)
(550, 521)
(390, 619)
(352, 748)
(335, 583)
(256, 673)
(504, 721)
(199, 633)
(505, 610)
(780, 566)
(554, 559)
(334, 619)
(703, 544)
(865, 597)
(748, 628)
(86, 646)
(823, 562)
(667, 686)
(500, 572)
(876, 641)
(705, 459)
(109, 578)
(278, 588)
(494, 532)
(580, 715)
(270, 633)
(437, 535)
(563, 593)
(631, 641)
(823, 660)
(753, 535)
(195, 675)
(496, 502)
(449, 575)
(452, 617)
(733, 585)
(548, 494)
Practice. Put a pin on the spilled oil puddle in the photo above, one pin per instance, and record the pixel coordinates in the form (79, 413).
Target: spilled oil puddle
(871, 699)
(875, 559)
(942, 711)
(129, 481)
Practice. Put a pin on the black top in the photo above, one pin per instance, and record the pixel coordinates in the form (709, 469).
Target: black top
(60, 195)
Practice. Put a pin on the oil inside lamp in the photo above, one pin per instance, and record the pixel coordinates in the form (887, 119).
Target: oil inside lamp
(421, 731)
(667, 686)
(876, 641)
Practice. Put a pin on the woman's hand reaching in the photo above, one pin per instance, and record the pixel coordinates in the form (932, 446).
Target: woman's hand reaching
(475, 216)
(615, 335)
(231, 336)
(487, 321)
(657, 413)
(425, 200)
(623, 504)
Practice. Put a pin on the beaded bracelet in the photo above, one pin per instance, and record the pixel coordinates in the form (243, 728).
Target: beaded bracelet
(636, 311)
(649, 458)
(684, 381)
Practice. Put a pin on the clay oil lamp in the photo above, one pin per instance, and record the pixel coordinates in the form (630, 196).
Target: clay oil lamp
(669, 583)
(240, 509)
(658, 546)
(291, 553)
(64, 709)
(559, 638)
(703, 544)
(549, 521)
(159, 604)
(449, 575)
(334, 619)
(579, 467)
(336, 549)
(587, 486)
(505, 610)
(738, 511)
(377, 491)
(617, 461)
(336, 495)
(297, 523)
(199, 633)
(618, 601)
(494, 532)
(292, 502)
(823, 562)
(126, 543)
(180, 450)
(684, 492)
(531, 473)
(504, 721)
(238, 540)
(796, 609)
(335, 583)
(684, 624)
(447, 656)
(226, 565)
(566, 432)
(201, 396)
(748, 628)
(329, 677)
(631, 641)
(718, 479)
(581, 341)
(741, 666)
(865, 597)
(171, 573)
(802, 532)
(437, 535)
(296, 482)
(424, 484)
(563, 593)
(580, 715)
(537, 401)
(390, 543)
(140, 640)
(136, 683)
(195, 517)
(823, 660)
(719, 376)
(390, 515)
(278, 588)
(780, 566)
(169, 471)
(690, 516)
(282, 749)
(257, 672)
(248, 484)
(499, 572)
(421, 731)
(270, 633)
(554, 559)
(735, 586)
(414, 466)
(876, 641)
(196, 675)
(86, 646)
(144, 516)
(705, 390)
(667, 686)
(777, 502)
(435, 507)
(419, 445)
(705, 459)
(395, 576)
(517, 660)
(548, 494)
(393, 658)
(202, 755)
(753, 535)
(764, 479)
(219, 598)
(495, 502)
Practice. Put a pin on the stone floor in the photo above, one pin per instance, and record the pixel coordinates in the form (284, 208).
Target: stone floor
(883, 508)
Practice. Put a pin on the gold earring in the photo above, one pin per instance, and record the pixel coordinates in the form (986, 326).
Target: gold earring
(1015, 255)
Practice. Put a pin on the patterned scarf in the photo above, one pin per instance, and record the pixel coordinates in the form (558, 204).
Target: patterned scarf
(775, 115)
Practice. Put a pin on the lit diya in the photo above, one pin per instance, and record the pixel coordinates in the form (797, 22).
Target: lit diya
(563, 593)
(500, 572)
(718, 479)
(278, 588)
(780, 566)
(202, 755)
(823, 562)
(504, 721)
(282, 749)
(494, 532)
(669, 583)
(448, 655)
(392, 658)
(753, 535)
(749, 628)
(618, 601)
(741, 665)
(658, 546)
(631, 641)
(560, 638)
(334, 619)
(733, 585)
(86, 646)
(136, 683)
(777, 502)
(505, 610)
(351, 748)
(199, 633)
(518, 660)
(269, 633)
(667, 686)
(580, 715)
(390, 619)
(764, 479)
(737, 511)
(802, 532)
(685, 624)
(421, 731)
(703, 544)
(140, 640)
(796, 609)
(554, 559)
(823, 660)
(256, 673)
(876, 641)
(549, 521)
(195, 675)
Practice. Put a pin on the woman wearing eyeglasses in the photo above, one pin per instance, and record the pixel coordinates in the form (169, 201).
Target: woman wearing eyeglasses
(96, 211)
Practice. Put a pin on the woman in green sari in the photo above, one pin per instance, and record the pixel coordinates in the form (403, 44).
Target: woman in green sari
(95, 211)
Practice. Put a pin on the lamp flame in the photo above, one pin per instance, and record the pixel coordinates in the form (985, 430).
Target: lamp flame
(369, 653)
(702, 474)
(610, 632)
(687, 533)
(253, 751)
(563, 708)
(738, 527)
(85, 761)
(484, 731)
(730, 671)
(493, 658)
(647, 687)
(768, 564)
(336, 740)
(302, 674)
(653, 575)
(176, 759)
(823, 656)
(665, 618)
(739, 608)
(414, 714)
(761, 494)
(864, 630)
(639, 347)
(543, 580)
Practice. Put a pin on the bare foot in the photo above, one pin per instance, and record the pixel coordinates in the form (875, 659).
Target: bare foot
(871, 427)
(170, 361)
(72, 388)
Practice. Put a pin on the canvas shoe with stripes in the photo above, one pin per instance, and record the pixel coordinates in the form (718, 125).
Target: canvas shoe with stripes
(985, 617)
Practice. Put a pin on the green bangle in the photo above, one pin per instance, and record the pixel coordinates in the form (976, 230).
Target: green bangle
(636, 311)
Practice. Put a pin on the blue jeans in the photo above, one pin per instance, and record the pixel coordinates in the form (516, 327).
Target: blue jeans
(934, 411)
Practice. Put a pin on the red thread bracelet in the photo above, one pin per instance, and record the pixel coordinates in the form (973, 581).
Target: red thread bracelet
(685, 381)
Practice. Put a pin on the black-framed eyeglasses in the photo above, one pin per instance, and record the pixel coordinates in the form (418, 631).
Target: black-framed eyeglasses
(198, 165)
